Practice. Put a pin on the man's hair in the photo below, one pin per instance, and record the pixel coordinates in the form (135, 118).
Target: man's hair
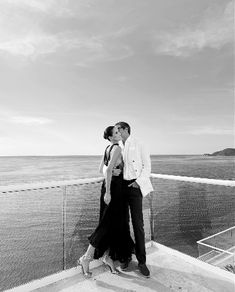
(108, 132)
(124, 125)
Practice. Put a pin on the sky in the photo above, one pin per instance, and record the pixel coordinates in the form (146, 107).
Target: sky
(70, 68)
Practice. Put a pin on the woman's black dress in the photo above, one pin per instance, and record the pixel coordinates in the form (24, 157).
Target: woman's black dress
(112, 233)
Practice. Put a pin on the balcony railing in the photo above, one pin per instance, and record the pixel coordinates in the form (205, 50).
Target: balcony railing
(44, 227)
(219, 249)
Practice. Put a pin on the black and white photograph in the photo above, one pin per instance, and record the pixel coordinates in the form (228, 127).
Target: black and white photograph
(117, 146)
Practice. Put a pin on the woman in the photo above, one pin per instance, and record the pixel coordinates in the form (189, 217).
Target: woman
(111, 240)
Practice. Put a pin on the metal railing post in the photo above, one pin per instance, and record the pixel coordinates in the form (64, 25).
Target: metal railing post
(151, 219)
(64, 226)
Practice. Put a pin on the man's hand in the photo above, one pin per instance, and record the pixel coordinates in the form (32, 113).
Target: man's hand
(116, 171)
(134, 185)
(107, 198)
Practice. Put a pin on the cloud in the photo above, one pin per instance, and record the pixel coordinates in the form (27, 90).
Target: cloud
(24, 35)
(87, 49)
(31, 45)
(105, 47)
(214, 31)
(58, 8)
(20, 32)
(31, 121)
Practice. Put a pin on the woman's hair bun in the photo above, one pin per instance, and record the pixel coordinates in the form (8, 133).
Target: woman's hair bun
(108, 132)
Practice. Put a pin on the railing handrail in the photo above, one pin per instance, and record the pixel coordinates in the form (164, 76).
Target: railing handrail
(221, 182)
(45, 185)
(211, 236)
(81, 181)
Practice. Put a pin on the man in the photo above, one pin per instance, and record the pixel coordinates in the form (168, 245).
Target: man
(137, 184)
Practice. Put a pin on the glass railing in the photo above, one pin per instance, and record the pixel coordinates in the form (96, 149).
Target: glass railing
(30, 235)
(44, 227)
(185, 212)
(219, 249)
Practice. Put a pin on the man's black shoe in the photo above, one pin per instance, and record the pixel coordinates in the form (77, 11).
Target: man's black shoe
(144, 270)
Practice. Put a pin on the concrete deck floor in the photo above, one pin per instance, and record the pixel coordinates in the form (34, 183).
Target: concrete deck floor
(170, 271)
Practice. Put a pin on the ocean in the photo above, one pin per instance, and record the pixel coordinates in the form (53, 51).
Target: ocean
(38, 239)
(27, 169)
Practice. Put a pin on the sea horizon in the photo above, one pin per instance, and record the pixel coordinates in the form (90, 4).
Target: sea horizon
(35, 169)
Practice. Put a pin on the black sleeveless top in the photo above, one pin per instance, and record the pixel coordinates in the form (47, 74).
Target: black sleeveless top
(107, 156)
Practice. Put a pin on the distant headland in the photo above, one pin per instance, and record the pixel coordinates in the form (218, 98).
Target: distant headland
(225, 152)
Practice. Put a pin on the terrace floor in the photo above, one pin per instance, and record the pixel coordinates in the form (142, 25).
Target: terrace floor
(170, 271)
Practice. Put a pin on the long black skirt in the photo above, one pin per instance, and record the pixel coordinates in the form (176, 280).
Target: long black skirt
(112, 233)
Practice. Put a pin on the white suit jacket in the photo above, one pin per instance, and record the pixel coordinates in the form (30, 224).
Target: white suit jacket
(137, 165)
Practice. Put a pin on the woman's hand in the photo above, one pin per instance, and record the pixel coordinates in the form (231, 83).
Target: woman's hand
(107, 198)
(116, 171)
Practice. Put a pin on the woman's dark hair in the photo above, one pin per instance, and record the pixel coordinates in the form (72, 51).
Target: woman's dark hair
(124, 125)
(108, 132)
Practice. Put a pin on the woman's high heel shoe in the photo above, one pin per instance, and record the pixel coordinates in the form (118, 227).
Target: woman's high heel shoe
(84, 263)
(109, 262)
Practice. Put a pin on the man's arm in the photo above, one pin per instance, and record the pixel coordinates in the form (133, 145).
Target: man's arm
(146, 164)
